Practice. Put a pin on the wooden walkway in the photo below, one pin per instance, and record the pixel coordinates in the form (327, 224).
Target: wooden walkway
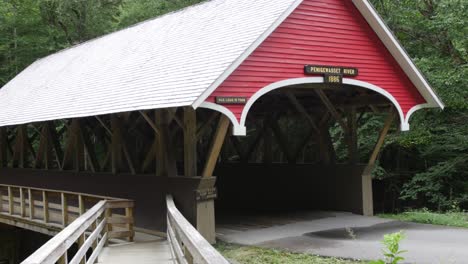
(146, 249)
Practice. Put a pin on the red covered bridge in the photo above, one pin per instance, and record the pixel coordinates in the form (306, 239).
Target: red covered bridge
(244, 90)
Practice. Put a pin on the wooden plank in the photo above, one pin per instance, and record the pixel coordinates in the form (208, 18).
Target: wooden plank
(331, 109)
(175, 244)
(216, 146)
(103, 124)
(118, 220)
(301, 109)
(90, 152)
(59, 244)
(150, 122)
(64, 202)
(130, 224)
(10, 201)
(31, 204)
(45, 207)
(190, 142)
(381, 138)
(55, 141)
(97, 250)
(22, 203)
(282, 141)
(81, 253)
(207, 124)
(198, 247)
(120, 204)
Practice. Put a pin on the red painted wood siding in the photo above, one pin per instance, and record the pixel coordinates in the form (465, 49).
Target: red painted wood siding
(324, 32)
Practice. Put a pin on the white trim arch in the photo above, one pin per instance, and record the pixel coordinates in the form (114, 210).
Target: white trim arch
(240, 128)
(312, 80)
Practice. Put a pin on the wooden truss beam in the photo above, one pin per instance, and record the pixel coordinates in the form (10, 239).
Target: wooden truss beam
(216, 146)
(331, 109)
(190, 142)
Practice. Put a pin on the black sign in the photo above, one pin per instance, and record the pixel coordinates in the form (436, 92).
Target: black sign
(318, 69)
(231, 100)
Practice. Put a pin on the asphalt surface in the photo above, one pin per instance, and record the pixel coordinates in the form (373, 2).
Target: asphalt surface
(344, 235)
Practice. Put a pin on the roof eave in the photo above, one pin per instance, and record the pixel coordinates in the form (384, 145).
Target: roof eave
(398, 52)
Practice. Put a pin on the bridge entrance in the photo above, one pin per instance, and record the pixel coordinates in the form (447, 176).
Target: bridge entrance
(307, 148)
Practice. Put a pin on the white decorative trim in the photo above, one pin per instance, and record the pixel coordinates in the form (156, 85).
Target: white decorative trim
(392, 44)
(199, 101)
(412, 111)
(312, 80)
(238, 130)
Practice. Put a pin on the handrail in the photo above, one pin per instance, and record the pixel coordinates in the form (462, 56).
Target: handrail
(56, 248)
(49, 211)
(187, 244)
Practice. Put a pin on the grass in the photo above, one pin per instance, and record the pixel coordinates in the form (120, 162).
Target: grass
(255, 255)
(457, 219)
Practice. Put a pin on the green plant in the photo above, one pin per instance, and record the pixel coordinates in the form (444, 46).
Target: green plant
(392, 252)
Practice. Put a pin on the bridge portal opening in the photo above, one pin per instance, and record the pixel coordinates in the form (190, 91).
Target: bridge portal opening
(307, 148)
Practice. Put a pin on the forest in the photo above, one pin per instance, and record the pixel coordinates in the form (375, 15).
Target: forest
(425, 167)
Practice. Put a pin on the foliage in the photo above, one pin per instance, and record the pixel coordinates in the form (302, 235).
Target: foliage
(255, 255)
(424, 216)
(392, 252)
(429, 163)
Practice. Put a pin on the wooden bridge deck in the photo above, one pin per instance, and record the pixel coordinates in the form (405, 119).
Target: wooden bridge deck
(145, 249)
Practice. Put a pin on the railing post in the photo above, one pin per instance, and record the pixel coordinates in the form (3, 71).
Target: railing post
(10, 201)
(31, 204)
(22, 203)
(63, 259)
(108, 215)
(64, 209)
(129, 216)
(82, 239)
(45, 207)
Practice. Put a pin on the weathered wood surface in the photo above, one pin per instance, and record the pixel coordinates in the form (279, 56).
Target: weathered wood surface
(147, 249)
(183, 237)
(65, 216)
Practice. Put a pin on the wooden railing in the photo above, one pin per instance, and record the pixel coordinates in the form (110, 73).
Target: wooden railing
(87, 220)
(187, 245)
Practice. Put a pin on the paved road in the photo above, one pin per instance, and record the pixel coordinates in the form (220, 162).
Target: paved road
(345, 235)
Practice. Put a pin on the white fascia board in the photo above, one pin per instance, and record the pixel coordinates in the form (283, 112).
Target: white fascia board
(392, 44)
(245, 55)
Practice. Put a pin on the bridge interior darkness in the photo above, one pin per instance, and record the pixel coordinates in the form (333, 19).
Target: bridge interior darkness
(297, 156)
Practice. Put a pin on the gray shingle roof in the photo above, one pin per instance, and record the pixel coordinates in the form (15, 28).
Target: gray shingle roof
(165, 62)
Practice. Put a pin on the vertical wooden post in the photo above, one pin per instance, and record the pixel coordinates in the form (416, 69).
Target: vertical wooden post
(166, 165)
(64, 209)
(216, 146)
(116, 144)
(31, 203)
(63, 259)
(45, 207)
(205, 209)
(190, 142)
(129, 216)
(82, 238)
(367, 194)
(22, 203)
(10, 201)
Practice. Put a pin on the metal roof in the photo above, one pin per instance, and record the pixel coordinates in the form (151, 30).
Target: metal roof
(168, 61)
